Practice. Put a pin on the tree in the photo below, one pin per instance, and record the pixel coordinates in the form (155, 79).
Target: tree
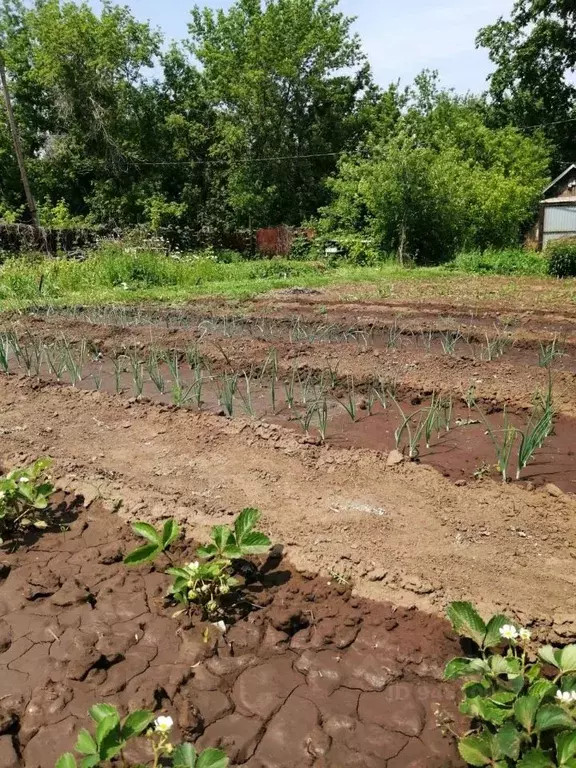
(275, 75)
(79, 90)
(441, 181)
(534, 53)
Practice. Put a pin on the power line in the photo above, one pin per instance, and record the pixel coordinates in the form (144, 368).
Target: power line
(240, 161)
(277, 158)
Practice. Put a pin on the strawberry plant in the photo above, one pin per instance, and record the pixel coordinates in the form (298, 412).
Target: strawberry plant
(24, 495)
(522, 707)
(158, 542)
(207, 583)
(112, 735)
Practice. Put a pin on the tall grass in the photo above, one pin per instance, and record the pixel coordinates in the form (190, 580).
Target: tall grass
(510, 261)
(37, 279)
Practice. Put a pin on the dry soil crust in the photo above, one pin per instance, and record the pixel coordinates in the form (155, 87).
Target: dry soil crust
(311, 677)
(403, 534)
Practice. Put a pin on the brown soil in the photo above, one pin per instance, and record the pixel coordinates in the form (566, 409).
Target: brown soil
(310, 676)
(403, 534)
(362, 353)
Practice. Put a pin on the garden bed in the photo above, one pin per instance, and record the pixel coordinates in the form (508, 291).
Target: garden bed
(311, 675)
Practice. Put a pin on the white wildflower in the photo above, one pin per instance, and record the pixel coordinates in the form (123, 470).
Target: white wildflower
(163, 723)
(193, 566)
(24, 480)
(525, 634)
(509, 632)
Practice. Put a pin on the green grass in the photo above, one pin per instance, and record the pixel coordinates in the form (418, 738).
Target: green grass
(512, 261)
(114, 276)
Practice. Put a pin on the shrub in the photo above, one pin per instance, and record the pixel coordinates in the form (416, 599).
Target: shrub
(562, 257)
(301, 248)
(510, 261)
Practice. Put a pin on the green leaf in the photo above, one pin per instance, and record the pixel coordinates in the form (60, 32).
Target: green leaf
(142, 555)
(178, 572)
(148, 532)
(136, 723)
(500, 665)
(85, 744)
(255, 543)
(567, 658)
(525, 708)
(508, 741)
(565, 746)
(66, 761)
(184, 756)
(551, 716)
(90, 761)
(212, 758)
(502, 698)
(220, 535)
(105, 727)
(112, 745)
(493, 636)
(99, 711)
(485, 710)
(170, 533)
(536, 758)
(476, 750)
(550, 655)
(540, 689)
(244, 523)
(459, 667)
(206, 552)
(466, 621)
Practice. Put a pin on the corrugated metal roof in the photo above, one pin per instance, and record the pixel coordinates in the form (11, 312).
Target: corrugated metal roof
(558, 178)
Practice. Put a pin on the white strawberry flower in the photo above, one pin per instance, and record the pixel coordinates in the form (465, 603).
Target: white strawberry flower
(525, 634)
(163, 723)
(564, 696)
(509, 632)
(193, 566)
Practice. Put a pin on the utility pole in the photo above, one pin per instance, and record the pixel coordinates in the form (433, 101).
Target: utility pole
(17, 144)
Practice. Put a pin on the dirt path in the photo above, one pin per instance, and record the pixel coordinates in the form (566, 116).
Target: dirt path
(405, 533)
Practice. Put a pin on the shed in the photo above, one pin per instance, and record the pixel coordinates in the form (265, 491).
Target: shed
(558, 208)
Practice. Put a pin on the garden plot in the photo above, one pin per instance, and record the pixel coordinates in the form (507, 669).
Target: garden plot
(307, 674)
(192, 418)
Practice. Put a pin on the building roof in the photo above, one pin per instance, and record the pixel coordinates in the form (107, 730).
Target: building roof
(571, 167)
(559, 200)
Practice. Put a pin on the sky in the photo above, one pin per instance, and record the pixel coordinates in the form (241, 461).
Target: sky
(401, 37)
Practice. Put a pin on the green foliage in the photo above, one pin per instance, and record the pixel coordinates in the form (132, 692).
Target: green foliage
(285, 77)
(207, 583)
(112, 734)
(158, 542)
(301, 248)
(520, 716)
(115, 267)
(24, 495)
(561, 256)
(532, 51)
(443, 181)
(508, 261)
